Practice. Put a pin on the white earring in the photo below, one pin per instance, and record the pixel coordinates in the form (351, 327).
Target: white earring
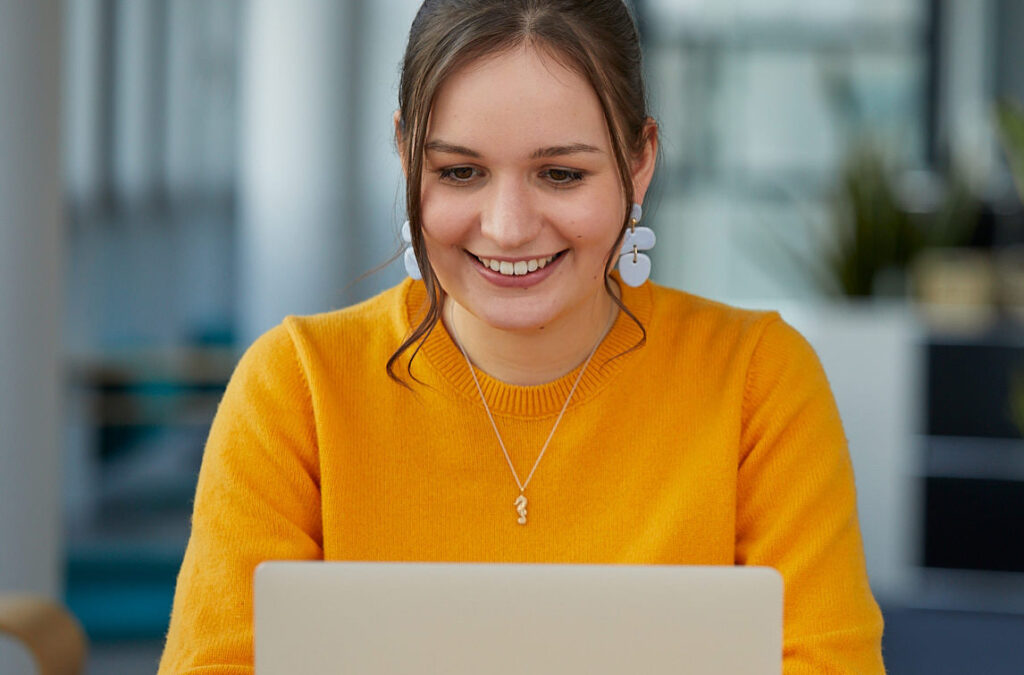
(412, 267)
(635, 267)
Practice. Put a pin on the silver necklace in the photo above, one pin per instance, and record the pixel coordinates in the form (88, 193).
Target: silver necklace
(521, 501)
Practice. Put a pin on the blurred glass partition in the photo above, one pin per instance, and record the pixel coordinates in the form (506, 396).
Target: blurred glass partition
(150, 119)
(760, 102)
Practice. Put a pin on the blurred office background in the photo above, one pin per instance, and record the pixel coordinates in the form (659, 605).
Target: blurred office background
(178, 175)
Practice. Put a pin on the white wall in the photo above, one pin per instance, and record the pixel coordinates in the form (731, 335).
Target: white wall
(30, 289)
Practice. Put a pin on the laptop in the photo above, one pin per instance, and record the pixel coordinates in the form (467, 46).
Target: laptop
(372, 618)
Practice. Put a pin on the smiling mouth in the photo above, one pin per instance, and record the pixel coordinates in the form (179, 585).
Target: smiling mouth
(520, 267)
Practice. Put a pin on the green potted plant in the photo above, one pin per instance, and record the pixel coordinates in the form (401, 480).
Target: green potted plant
(1010, 260)
(1010, 122)
(873, 236)
(872, 233)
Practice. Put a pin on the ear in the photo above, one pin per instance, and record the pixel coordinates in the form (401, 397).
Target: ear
(400, 140)
(645, 160)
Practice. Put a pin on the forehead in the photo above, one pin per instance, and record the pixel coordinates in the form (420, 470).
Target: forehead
(517, 101)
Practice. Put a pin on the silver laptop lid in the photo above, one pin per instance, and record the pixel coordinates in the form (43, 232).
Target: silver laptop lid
(471, 619)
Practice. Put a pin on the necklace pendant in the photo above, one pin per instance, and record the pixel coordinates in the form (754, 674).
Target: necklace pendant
(521, 509)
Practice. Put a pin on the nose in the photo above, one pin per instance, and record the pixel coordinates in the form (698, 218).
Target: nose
(508, 218)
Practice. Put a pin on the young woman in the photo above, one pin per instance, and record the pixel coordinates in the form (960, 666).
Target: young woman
(523, 401)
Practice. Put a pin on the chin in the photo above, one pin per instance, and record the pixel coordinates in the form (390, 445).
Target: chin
(514, 315)
(517, 323)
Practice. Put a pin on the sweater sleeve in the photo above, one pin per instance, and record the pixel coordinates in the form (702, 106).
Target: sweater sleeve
(797, 509)
(257, 498)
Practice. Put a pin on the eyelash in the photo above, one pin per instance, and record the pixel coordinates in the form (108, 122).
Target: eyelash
(573, 176)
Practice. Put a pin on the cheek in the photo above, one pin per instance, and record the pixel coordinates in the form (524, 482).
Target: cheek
(593, 216)
(446, 221)
(593, 229)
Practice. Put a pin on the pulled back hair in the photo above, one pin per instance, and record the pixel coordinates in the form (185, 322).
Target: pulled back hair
(595, 38)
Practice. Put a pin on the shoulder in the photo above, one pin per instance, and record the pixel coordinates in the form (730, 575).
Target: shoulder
(310, 344)
(767, 359)
(683, 318)
(376, 324)
(383, 313)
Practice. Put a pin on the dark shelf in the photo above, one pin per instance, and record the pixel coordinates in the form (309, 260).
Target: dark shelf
(974, 524)
(970, 386)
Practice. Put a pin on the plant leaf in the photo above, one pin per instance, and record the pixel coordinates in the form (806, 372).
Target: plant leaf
(1010, 120)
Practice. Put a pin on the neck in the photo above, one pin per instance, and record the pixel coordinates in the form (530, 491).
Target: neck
(537, 355)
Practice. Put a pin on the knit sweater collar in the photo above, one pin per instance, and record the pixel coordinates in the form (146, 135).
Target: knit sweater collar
(446, 362)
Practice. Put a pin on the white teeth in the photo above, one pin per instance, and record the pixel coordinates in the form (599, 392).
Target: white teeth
(517, 268)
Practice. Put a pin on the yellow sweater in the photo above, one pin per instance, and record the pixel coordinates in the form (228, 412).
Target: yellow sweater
(717, 443)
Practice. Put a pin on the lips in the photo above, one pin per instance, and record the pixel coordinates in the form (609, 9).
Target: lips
(517, 273)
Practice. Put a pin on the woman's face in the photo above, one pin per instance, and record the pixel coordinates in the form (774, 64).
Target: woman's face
(519, 175)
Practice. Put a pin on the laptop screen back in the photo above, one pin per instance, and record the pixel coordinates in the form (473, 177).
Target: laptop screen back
(467, 619)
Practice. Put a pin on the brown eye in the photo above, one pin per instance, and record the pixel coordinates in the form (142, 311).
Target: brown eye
(563, 176)
(458, 174)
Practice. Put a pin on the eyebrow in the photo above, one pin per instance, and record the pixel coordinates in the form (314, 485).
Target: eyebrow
(560, 150)
(450, 148)
(540, 153)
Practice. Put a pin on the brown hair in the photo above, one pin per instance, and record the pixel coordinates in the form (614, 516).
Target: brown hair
(597, 38)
